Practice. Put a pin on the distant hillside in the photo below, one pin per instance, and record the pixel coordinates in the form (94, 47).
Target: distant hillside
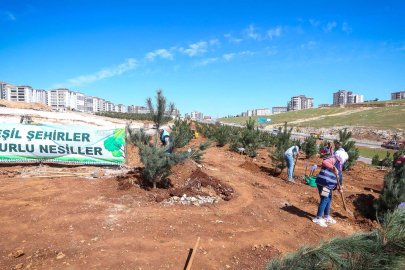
(388, 115)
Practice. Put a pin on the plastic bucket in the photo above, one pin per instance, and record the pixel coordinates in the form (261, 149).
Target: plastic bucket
(196, 134)
(311, 181)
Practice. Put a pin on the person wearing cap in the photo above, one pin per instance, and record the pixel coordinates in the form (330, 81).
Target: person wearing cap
(289, 158)
(326, 182)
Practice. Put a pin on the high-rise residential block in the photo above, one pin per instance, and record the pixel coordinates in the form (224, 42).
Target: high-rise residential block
(277, 110)
(345, 97)
(300, 102)
(398, 95)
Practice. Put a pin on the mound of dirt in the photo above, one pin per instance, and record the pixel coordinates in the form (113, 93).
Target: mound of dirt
(23, 105)
(200, 179)
(249, 165)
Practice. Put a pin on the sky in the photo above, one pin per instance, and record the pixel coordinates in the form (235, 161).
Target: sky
(217, 57)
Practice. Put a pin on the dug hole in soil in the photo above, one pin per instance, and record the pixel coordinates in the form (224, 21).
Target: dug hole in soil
(115, 221)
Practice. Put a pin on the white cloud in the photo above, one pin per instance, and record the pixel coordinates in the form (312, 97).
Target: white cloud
(232, 39)
(162, 53)
(228, 56)
(308, 45)
(271, 50)
(246, 53)
(329, 27)
(129, 64)
(250, 32)
(175, 68)
(197, 48)
(7, 15)
(205, 61)
(346, 28)
(275, 32)
(401, 49)
(314, 23)
(214, 42)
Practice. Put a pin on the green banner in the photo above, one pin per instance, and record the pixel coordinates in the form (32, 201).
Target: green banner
(61, 143)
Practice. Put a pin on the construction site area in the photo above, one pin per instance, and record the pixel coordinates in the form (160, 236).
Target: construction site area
(61, 216)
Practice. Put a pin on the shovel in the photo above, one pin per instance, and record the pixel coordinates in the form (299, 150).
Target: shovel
(341, 194)
(295, 163)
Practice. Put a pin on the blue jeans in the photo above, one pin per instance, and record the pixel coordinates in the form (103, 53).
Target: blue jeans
(324, 205)
(290, 165)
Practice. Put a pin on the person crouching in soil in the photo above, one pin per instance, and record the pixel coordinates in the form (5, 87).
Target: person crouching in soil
(326, 182)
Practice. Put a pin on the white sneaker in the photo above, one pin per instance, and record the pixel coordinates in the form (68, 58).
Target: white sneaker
(320, 221)
(330, 220)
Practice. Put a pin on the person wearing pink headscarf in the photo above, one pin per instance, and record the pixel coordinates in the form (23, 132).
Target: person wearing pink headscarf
(326, 182)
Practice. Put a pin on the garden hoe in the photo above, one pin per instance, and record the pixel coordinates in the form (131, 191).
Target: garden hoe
(341, 194)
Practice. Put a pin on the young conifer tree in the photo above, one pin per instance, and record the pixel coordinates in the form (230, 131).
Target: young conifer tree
(161, 112)
(310, 147)
(349, 147)
(154, 156)
(393, 192)
(283, 142)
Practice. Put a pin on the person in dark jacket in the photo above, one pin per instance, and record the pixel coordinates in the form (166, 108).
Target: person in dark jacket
(326, 182)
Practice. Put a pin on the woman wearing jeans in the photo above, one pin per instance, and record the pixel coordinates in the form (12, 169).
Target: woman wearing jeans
(289, 158)
(326, 182)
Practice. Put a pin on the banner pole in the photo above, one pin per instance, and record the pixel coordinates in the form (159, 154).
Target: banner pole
(126, 147)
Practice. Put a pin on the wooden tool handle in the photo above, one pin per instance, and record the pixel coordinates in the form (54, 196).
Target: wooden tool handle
(340, 187)
(193, 254)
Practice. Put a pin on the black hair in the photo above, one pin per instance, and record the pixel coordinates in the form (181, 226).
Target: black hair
(299, 147)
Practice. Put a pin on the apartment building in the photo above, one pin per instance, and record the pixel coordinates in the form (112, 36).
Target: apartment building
(109, 106)
(88, 104)
(344, 97)
(59, 98)
(323, 105)
(120, 108)
(5, 90)
(131, 109)
(39, 96)
(80, 101)
(277, 110)
(398, 95)
(101, 105)
(197, 116)
(300, 102)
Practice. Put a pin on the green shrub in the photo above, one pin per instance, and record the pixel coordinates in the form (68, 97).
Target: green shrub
(383, 248)
(181, 133)
(387, 161)
(376, 160)
(248, 138)
(349, 147)
(310, 147)
(393, 192)
(283, 142)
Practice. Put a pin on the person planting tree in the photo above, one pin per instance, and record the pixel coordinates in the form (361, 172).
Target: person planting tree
(327, 152)
(293, 151)
(326, 182)
(166, 139)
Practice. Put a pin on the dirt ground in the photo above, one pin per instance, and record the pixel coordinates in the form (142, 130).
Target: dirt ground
(112, 220)
(24, 105)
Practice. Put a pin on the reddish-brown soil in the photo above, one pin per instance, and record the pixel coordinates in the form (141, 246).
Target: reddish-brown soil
(118, 222)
